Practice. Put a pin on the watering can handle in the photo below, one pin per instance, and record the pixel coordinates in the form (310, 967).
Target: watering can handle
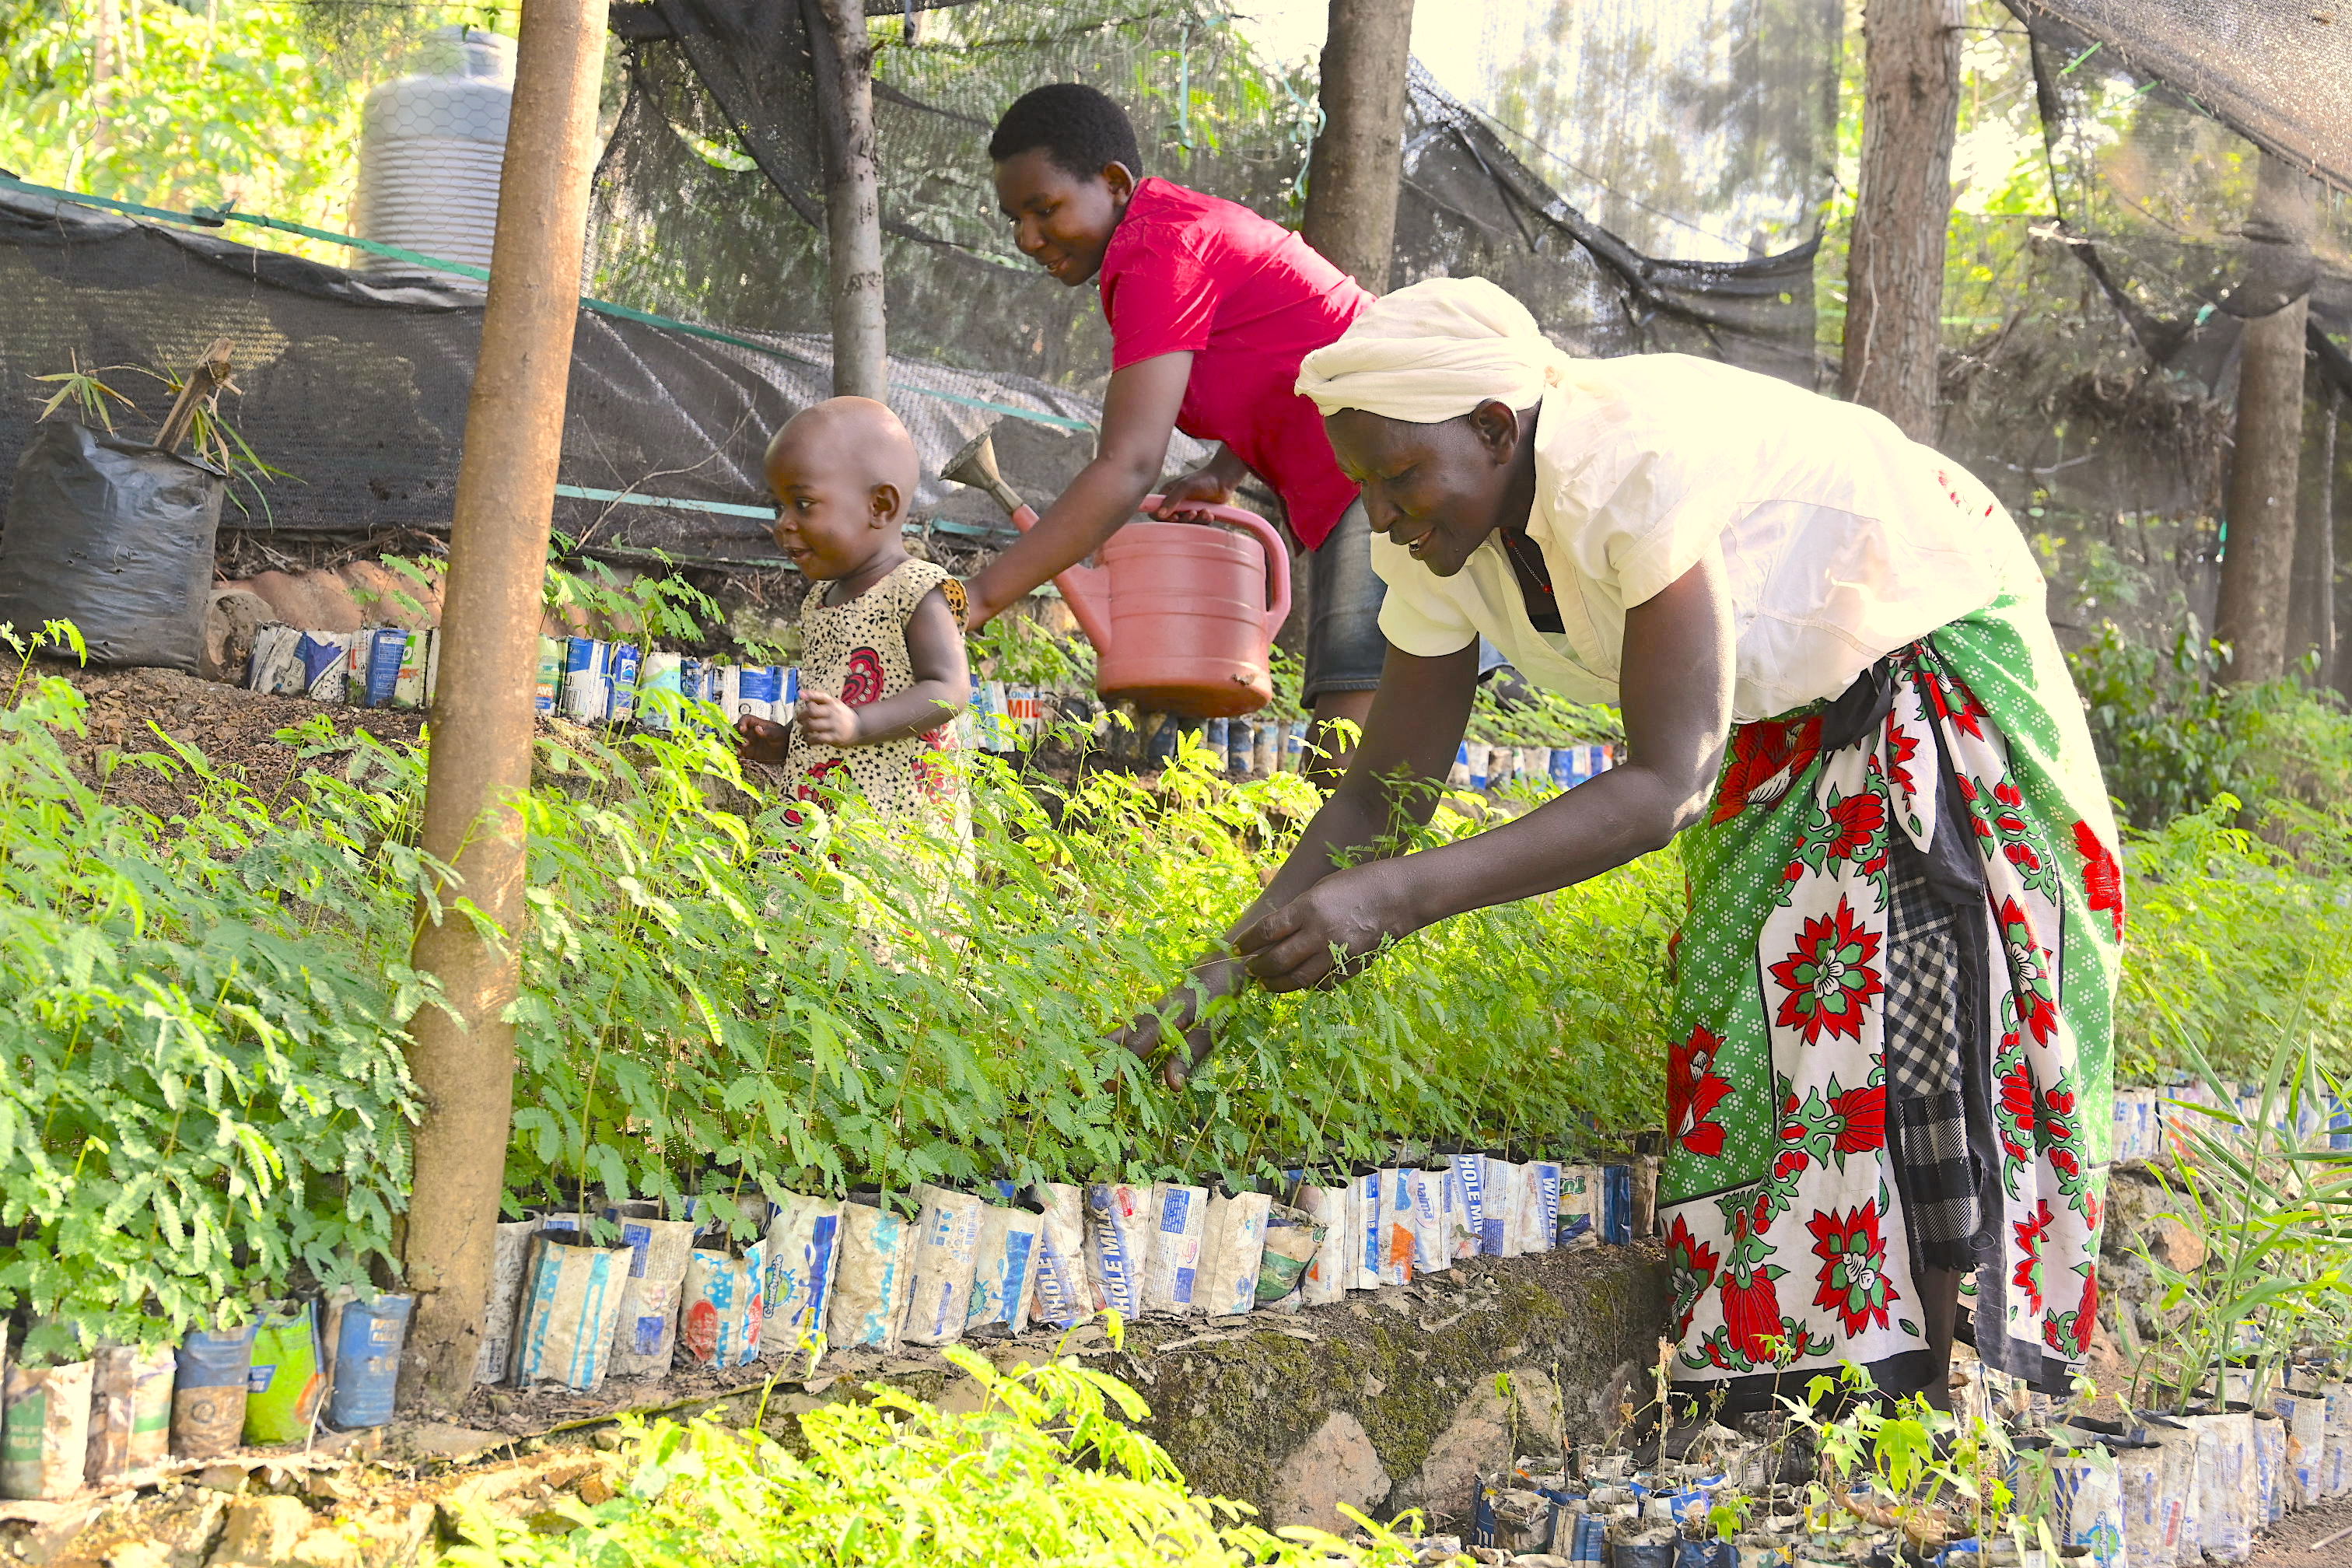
(1278, 554)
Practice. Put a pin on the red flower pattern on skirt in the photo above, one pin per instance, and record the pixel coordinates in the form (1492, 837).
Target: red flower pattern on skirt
(1766, 758)
(2031, 1234)
(1829, 978)
(1853, 1281)
(1862, 1113)
(1694, 1264)
(2103, 879)
(1693, 1090)
(1751, 1316)
(1858, 817)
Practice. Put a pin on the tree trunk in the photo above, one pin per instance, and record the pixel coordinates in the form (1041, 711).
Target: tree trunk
(2258, 550)
(105, 65)
(2310, 601)
(1358, 162)
(843, 56)
(1894, 269)
(463, 1056)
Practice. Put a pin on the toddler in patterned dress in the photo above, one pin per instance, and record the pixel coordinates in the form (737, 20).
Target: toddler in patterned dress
(882, 664)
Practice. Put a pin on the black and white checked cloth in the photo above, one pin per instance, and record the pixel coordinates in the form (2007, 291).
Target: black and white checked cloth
(1927, 1111)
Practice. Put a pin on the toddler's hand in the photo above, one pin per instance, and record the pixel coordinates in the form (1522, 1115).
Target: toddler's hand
(827, 720)
(761, 740)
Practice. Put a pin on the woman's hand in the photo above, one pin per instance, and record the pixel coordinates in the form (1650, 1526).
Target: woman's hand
(1352, 911)
(1179, 1021)
(827, 720)
(761, 740)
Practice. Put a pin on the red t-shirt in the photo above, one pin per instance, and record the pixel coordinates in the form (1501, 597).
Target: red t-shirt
(1248, 299)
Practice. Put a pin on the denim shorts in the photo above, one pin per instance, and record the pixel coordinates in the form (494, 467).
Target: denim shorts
(1345, 648)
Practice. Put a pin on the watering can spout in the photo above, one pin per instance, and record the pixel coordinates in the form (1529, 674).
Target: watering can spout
(1086, 589)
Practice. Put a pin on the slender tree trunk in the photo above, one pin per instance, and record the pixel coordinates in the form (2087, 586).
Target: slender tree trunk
(1358, 162)
(106, 64)
(1894, 269)
(2310, 600)
(2258, 552)
(843, 55)
(463, 1056)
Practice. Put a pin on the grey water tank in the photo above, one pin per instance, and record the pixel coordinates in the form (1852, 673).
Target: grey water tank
(431, 145)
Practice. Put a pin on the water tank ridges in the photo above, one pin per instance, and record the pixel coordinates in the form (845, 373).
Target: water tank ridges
(431, 145)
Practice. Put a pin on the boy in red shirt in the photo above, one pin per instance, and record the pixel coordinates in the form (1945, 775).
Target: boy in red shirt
(1211, 309)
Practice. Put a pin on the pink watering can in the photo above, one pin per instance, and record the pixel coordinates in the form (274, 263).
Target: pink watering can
(1182, 616)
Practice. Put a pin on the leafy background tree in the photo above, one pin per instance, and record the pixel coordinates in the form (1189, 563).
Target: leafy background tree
(250, 103)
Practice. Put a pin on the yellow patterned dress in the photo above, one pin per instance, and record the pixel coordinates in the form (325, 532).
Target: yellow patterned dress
(857, 652)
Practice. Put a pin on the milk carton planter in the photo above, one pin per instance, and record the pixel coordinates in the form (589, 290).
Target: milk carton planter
(874, 1279)
(130, 1411)
(1065, 1294)
(208, 1391)
(509, 1251)
(652, 1296)
(1470, 1177)
(804, 1249)
(1325, 1282)
(1004, 1269)
(1293, 1237)
(1119, 1226)
(946, 1245)
(570, 1309)
(1180, 1217)
(1368, 1224)
(1234, 1250)
(720, 1322)
(1432, 1221)
(44, 1430)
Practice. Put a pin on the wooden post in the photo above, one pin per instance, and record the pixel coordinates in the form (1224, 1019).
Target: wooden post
(1894, 269)
(2258, 552)
(1358, 162)
(842, 53)
(462, 1053)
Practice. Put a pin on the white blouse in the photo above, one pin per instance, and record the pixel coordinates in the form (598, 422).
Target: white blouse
(1842, 538)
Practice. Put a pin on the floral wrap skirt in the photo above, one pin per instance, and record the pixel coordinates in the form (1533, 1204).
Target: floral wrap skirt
(1893, 1026)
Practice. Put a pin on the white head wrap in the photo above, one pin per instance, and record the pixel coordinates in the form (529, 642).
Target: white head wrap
(1434, 351)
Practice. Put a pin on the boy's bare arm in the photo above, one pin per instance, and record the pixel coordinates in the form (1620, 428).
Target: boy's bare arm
(1139, 417)
(941, 684)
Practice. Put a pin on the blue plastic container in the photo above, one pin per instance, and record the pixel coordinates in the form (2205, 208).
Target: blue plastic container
(367, 1362)
(1617, 1205)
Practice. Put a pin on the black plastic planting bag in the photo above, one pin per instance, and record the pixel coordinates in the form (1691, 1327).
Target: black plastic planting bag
(115, 537)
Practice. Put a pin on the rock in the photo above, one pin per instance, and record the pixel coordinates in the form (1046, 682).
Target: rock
(139, 1554)
(387, 597)
(2176, 1246)
(307, 601)
(1479, 1437)
(232, 616)
(596, 1491)
(396, 1538)
(439, 1440)
(1337, 1464)
(187, 1538)
(225, 1477)
(261, 1532)
(328, 1548)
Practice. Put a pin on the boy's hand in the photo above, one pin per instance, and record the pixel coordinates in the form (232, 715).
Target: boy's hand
(761, 740)
(827, 720)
